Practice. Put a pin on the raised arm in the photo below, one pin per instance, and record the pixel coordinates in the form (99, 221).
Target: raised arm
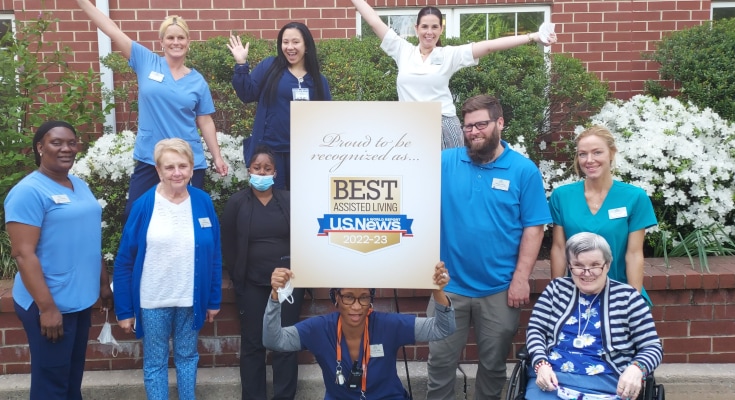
(276, 337)
(371, 17)
(485, 47)
(443, 323)
(106, 25)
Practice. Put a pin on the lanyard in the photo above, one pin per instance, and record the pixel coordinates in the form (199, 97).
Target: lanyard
(365, 350)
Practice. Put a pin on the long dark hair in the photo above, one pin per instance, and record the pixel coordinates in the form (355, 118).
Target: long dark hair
(431, 11)
(276, 70)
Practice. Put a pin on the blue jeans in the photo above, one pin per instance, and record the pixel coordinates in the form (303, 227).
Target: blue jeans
(160, 325)
(56, 368)
(592, 384)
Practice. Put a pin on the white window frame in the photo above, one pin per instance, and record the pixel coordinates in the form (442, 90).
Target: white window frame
(452, 15)
(720, 4)
(9, 17)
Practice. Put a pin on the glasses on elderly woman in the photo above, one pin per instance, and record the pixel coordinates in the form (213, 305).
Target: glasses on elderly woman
(348, 299)
(594, 270)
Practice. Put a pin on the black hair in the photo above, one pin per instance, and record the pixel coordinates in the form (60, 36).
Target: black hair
(431, 11)
(280, 64)
(333, 295)
(263, 149)
(43, 130)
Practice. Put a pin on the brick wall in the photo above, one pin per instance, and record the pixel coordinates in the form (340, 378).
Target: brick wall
(608, 36)
(694, 313)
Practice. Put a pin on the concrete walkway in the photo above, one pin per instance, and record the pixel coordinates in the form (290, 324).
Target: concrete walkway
(682, 382)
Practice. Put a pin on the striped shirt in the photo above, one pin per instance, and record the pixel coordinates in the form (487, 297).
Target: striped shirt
(627, 329)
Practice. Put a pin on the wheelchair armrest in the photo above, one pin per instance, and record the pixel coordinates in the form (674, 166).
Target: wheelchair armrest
(522, 353)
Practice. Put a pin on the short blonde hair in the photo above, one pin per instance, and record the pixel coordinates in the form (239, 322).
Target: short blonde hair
(601, 132)
(176, 145)
(173, 20)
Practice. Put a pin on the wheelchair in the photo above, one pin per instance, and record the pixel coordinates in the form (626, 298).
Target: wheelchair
(519, 379)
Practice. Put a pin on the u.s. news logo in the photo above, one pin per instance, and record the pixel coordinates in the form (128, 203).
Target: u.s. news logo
(365, 213)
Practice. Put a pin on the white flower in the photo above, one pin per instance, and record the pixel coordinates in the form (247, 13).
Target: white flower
(595, 369)
(567, 367)
(572, 320)
(554, 355)
(586, 340)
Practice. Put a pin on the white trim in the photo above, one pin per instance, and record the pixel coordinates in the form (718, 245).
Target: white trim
(104, 48)
(720, 4)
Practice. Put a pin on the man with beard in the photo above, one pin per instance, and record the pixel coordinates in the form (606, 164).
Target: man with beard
(492, 217)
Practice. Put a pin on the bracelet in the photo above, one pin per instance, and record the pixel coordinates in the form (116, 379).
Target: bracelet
(539, 365)
(530, 39)
(641, 367)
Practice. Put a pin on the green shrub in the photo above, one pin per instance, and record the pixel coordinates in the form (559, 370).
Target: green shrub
(701, 60)
(38, 85)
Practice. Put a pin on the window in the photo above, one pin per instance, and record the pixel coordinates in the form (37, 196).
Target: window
(6, 28)
(468, 23)
(723, 9)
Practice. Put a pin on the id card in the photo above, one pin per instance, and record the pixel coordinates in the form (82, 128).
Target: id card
(155, 76)
(615, 213)
(205, 222)
(501, 184)
(376, 350)
(300, 94)
(60, 199)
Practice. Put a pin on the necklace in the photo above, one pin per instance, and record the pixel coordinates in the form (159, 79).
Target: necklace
(579, 342)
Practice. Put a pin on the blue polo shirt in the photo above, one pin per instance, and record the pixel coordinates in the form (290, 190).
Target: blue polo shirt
(167, 108)
(69, 247)
(483, 213)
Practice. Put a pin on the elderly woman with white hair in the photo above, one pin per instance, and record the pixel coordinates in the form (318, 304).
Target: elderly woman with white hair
(168, 271)
(589, 335)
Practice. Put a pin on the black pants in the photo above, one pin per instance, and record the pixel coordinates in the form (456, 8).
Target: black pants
(251, 302)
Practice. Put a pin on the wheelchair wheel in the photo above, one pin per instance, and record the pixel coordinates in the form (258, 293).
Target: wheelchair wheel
(517, 382)
(660, 393)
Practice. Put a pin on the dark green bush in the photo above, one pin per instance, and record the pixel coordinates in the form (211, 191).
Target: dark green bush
(701, 60)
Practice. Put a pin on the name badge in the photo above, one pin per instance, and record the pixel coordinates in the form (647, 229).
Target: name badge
(376, 350)
(205, 222)
(60, 199)
(155, 76)
(300, 94)
(616, 213)
(436, 58)
(501, 184)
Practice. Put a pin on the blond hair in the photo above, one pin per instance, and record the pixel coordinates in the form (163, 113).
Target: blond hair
(176, 145)
(173, 20)
(601, 132)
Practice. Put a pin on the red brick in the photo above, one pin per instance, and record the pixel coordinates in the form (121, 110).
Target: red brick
(97, 365)
(688, 313)
(14, 337)
(711, 297)
(675, 358)
(226, 360)
(723, 344)
(724, 312)
(712, 328)
(126, 363)
(15, 354)
(672, 329)
(687, 345)
(22, 368)
(674, 297)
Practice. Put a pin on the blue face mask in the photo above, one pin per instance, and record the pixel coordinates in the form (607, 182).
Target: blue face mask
(261, 183)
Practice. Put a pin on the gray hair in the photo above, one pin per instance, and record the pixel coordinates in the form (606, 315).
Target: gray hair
(587, 241)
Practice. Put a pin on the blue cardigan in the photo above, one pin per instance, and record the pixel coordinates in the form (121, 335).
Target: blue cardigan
(131, 254)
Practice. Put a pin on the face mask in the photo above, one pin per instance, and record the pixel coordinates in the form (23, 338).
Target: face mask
(261, 183)
(284, 293)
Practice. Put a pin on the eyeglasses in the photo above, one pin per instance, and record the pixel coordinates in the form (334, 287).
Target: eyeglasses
(594, 270)
(479, 125)
(348, 299)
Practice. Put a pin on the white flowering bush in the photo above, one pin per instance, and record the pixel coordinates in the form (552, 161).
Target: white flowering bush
(108, 164)
(683, 157)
